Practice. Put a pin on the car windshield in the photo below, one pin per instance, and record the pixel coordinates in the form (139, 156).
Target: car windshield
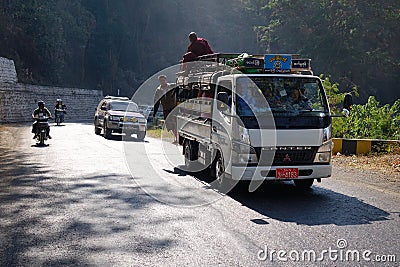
(281, 95)
(123, 106)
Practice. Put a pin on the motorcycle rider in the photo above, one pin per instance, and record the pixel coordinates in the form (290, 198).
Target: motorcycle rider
(60, 105)
(40, 112)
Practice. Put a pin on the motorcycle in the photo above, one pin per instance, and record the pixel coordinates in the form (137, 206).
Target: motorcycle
(41, 129)
(59, 116)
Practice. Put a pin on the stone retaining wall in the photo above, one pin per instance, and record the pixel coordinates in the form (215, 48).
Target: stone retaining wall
(7, 71)
(17, 101)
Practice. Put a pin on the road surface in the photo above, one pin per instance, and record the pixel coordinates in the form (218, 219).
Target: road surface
(87, 201)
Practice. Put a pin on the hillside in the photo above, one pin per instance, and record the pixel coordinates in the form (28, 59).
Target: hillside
(111, 45)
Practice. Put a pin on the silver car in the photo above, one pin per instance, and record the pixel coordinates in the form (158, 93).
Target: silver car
(119, 115)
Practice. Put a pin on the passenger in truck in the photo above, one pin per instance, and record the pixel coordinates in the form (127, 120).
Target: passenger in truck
(298, 100)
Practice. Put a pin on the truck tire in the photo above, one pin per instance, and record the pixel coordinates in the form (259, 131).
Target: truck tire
(223, 183)
(303, 184)
(190, 151)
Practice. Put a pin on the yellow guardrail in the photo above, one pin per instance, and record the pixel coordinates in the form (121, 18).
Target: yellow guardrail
(361, 146)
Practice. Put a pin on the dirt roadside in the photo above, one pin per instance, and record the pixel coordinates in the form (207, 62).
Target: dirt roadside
(387, 164)
(379, 171)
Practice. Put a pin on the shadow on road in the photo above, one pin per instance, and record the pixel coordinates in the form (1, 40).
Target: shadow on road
(50, 218)
(123, 137)
(318, 206)
(48, 223)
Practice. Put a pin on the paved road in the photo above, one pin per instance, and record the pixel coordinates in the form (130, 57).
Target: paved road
(84, 200)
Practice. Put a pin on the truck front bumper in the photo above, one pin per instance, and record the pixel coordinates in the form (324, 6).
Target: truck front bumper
(262, 173)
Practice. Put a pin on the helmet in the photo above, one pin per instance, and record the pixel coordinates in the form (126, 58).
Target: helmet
(40, 103)
(59, 100)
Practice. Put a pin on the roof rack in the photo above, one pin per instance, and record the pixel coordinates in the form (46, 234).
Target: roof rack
(206, 69)
(116, 97)
(259, 63)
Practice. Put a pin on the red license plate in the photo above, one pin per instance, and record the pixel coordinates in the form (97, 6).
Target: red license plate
(287, 173)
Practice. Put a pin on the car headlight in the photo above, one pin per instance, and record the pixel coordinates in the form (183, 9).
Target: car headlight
(114, 118)
(324, 153)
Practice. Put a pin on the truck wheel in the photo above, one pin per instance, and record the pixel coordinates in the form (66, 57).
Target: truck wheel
(222, 182)
(304, 184)
(190, 155)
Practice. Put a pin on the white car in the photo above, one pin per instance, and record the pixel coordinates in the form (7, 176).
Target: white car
(119, 115)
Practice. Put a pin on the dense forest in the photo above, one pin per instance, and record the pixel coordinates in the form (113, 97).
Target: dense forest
(118, 44)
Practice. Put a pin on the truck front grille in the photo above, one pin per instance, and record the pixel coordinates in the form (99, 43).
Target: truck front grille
(286, 156)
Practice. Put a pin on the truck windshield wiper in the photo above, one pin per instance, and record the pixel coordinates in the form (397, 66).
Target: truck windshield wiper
(302, 112)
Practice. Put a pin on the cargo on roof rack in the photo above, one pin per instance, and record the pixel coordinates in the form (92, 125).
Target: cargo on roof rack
(250, 64)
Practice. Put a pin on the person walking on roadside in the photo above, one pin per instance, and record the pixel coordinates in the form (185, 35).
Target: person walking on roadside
(166, 96)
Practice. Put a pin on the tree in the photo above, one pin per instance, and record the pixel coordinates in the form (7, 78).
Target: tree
(354, 41)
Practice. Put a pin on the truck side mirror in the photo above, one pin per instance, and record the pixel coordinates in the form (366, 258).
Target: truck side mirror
(222, 104)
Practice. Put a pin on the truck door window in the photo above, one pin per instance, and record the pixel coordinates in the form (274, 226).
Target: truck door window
(226, 86)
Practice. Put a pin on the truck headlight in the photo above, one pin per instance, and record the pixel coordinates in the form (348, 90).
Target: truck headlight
(324, 153)
(244, 135)
(247, 158)
(142, 120)
(244, 154)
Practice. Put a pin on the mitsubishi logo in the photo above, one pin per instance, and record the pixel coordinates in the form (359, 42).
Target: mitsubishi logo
(287, 158)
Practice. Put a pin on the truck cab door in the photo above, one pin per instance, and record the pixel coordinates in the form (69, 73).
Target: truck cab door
(221, 125)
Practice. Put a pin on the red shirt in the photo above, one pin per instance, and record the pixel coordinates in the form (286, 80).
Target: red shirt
(200, 47)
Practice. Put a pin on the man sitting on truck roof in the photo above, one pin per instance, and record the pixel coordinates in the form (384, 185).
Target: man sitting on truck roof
(198, 47)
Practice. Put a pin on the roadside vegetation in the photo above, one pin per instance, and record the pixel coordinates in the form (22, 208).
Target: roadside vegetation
(370, 120)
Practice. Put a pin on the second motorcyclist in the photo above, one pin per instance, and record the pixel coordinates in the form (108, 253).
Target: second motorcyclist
(41, 111)
(60, 109)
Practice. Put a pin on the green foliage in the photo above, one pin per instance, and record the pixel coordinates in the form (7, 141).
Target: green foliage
(365, 121)
(355, 41)
(335, 98)
(370, 121)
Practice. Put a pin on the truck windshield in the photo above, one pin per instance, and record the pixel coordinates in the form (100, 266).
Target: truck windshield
(287, 98)
(284, 95)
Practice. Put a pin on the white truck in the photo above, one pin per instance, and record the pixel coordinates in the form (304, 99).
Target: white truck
(256, 118)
